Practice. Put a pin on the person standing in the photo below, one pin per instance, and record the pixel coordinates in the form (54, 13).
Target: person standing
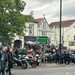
(9, 60)
(3, 59)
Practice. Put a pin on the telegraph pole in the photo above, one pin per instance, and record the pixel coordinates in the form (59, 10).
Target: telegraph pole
(60, 41)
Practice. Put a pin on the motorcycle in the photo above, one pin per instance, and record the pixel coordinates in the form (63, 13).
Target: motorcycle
(20, 61)
(31, 61)
(38, 59)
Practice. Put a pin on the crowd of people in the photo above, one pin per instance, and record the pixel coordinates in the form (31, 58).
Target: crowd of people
(65, 56)
(6, 57)
(50, 53)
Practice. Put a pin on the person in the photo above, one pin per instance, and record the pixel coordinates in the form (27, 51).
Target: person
(30, 53)
(3, 59)
(9, 60)
(67, 58)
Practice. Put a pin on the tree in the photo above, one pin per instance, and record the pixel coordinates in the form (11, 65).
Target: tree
(11, 20)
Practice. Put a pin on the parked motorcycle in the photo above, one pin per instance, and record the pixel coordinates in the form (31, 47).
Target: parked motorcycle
(31, 61)
(38, 59)
(20, 61)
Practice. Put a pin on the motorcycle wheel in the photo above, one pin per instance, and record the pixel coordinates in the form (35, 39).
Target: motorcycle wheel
(34, 65)
(24, 66)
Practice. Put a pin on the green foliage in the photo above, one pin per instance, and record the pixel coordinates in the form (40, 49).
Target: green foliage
(11, 20)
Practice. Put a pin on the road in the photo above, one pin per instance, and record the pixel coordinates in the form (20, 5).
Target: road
(48, 69)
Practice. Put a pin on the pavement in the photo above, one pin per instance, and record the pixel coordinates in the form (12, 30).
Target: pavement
(47, 69)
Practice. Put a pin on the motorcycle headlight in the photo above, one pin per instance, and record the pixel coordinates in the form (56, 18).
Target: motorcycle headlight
(27, 57)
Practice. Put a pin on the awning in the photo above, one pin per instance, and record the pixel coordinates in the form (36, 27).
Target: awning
(30, 42)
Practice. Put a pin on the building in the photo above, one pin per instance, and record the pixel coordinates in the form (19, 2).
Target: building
(42, 27)
(31, 29)
(38, 27)
(67, 33)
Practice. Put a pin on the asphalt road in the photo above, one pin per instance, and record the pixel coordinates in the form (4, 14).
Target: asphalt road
(48, 69)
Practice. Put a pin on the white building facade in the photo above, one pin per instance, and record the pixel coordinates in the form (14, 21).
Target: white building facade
(43, 27)
(31, 29)
(67, 33)
(39, 27)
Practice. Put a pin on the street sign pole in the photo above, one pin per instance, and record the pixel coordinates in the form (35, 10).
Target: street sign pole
(60, 25)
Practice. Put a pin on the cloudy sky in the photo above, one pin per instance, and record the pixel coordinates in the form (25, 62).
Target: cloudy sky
(50, 8)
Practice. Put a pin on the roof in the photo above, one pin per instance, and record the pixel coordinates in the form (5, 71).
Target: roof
(38, 20)
(66, 23)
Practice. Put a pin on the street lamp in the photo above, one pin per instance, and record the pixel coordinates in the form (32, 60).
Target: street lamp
(60, 25)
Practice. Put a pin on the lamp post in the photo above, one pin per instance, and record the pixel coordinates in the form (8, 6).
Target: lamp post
(60, 41)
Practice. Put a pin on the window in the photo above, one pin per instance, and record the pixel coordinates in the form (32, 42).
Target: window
(71, 43)
(44, 24)
(44, 33)
(31, 29)
(74, 37)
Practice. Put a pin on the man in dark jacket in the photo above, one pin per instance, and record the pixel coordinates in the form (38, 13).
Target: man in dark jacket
(67, 58)
(9, 60)
(3, 59)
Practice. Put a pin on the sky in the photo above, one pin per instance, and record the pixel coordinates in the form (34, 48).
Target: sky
(51, 9)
